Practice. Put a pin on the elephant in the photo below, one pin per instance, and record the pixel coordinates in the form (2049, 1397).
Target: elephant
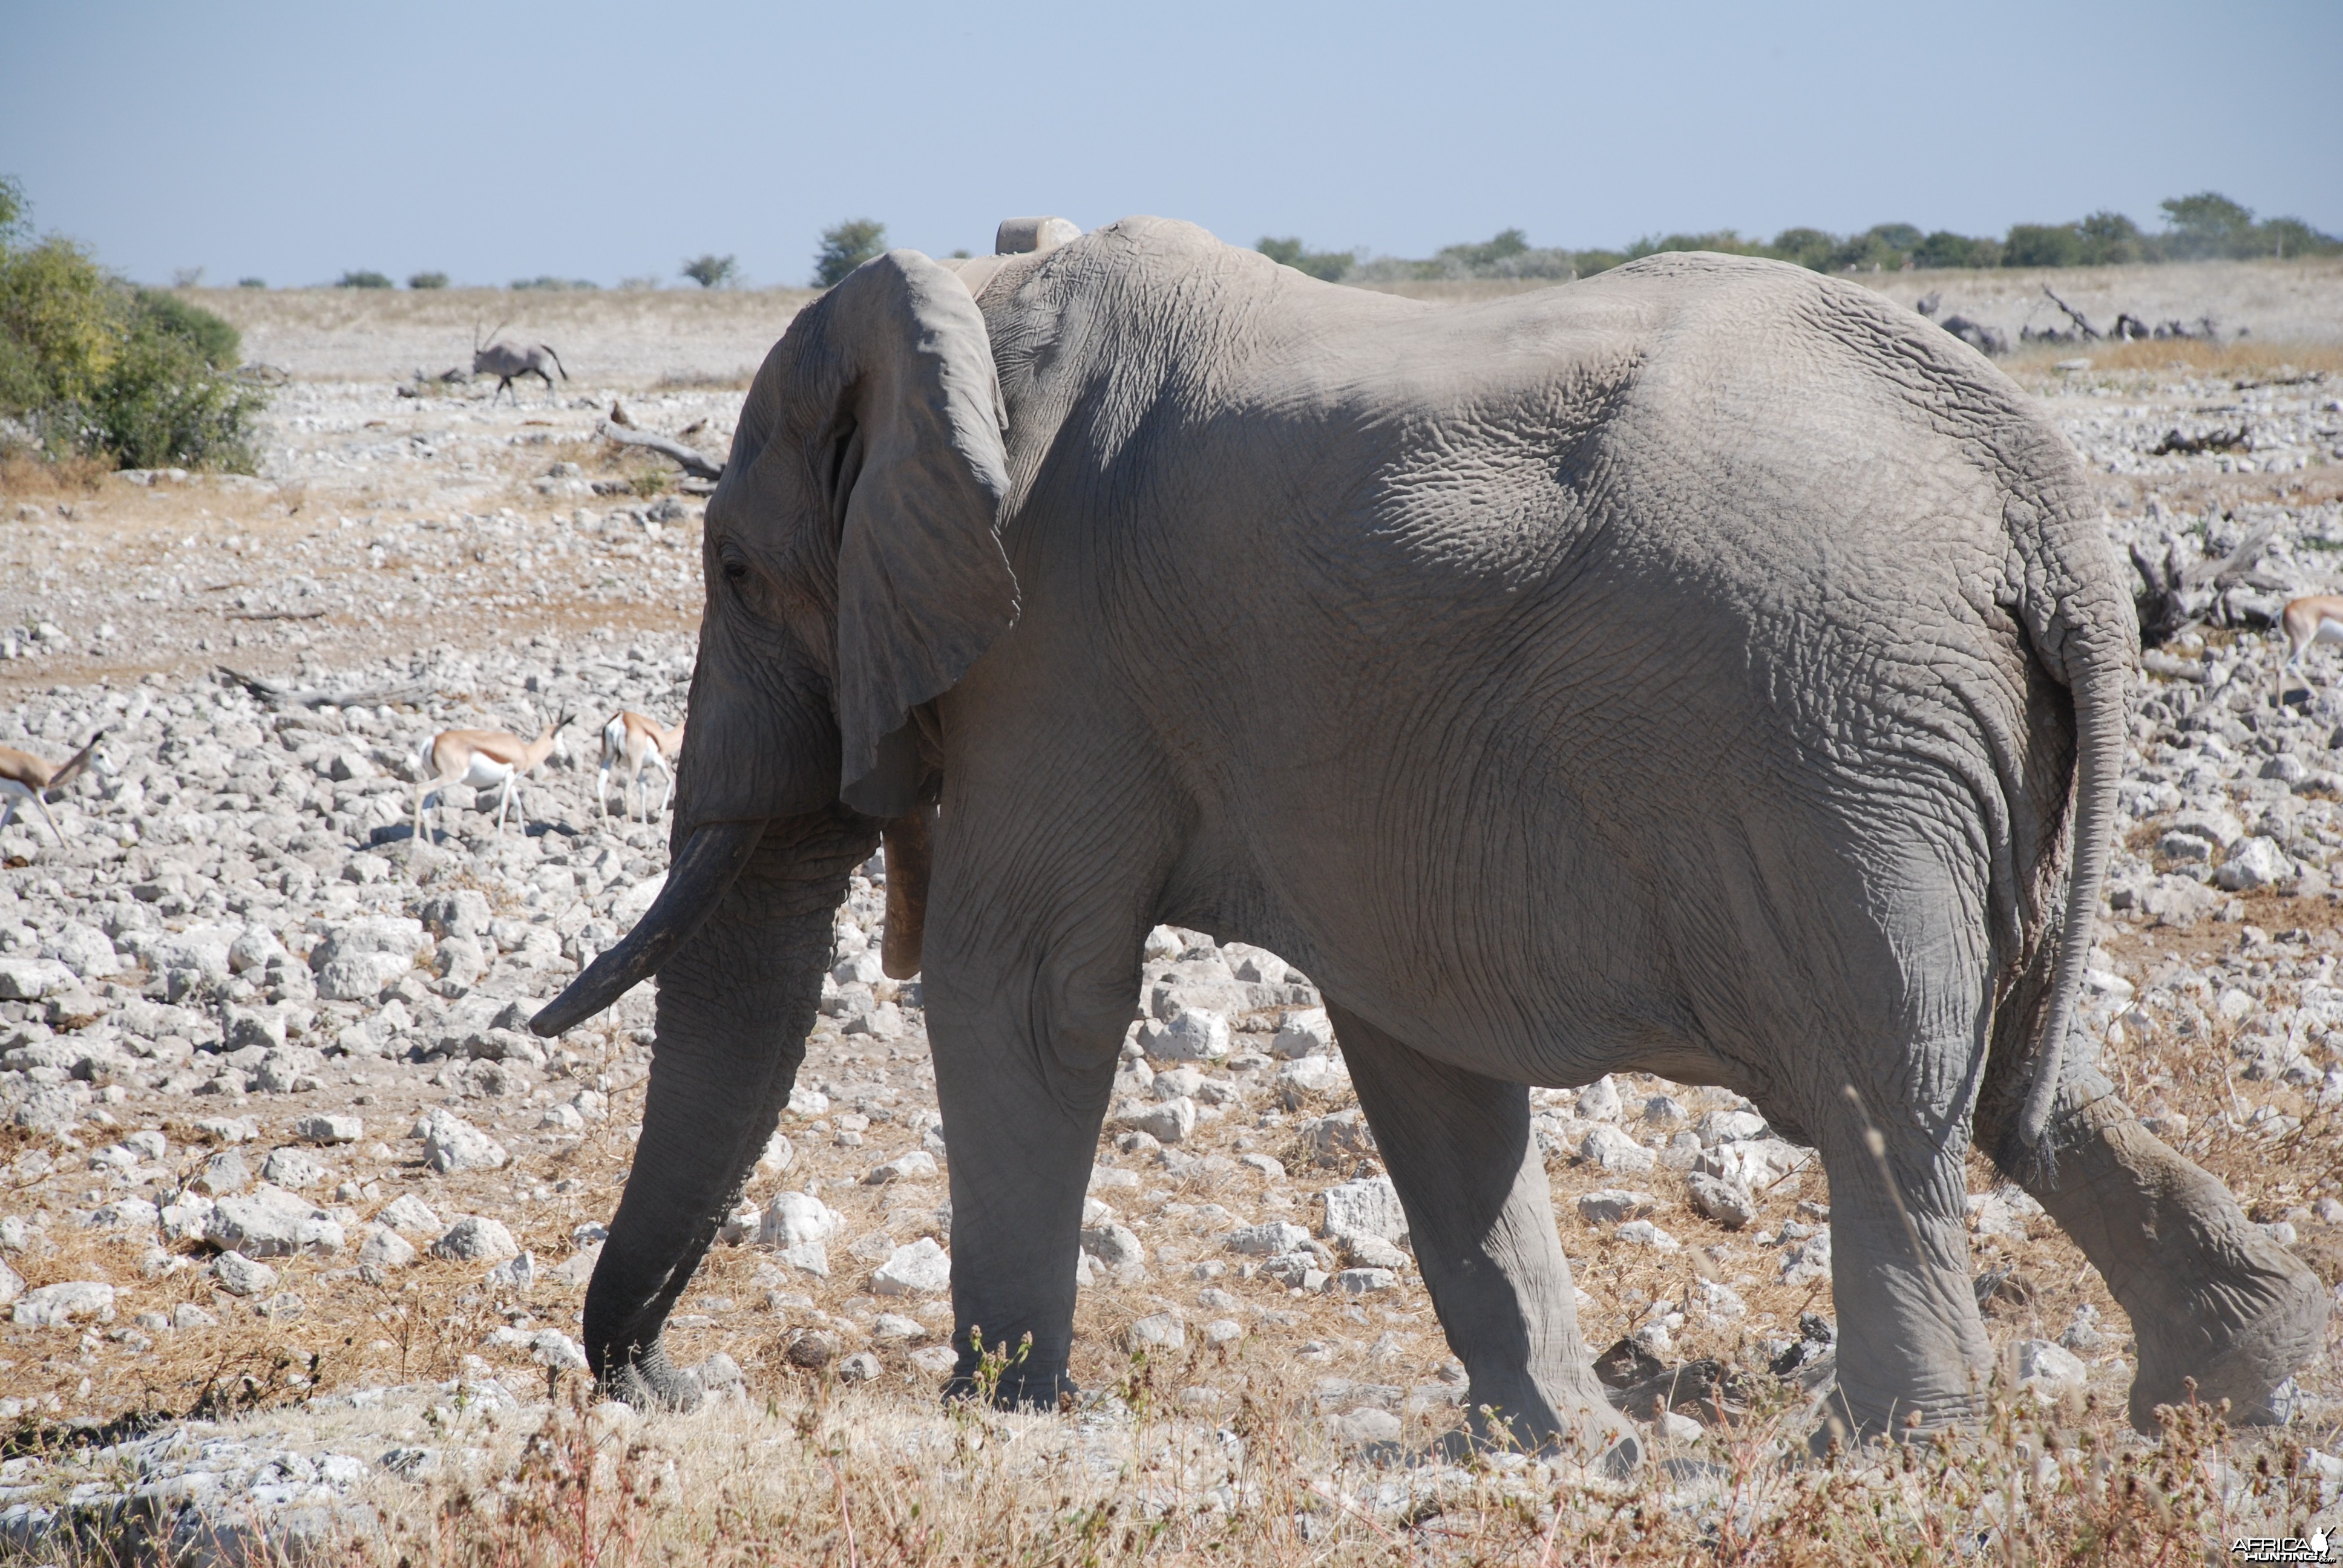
(1704, 668)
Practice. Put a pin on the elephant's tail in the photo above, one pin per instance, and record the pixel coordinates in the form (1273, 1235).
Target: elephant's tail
(2092, 629)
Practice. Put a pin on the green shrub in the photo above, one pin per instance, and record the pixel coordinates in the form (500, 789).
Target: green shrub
(218, 343)
(2285, 237)
(427, 280)
(1809, 247)
(2043, 245)
(89, 364)
(1507, 243)
(1945, 249)
(2207, 224)
(59, 305)
(2210, 224)
(1882, 247)
(164, 403)
(1327, 264)
(2110, 239)
(363, 280)
(251, 283)
(844, 247)
(559, 284)
(712, 271)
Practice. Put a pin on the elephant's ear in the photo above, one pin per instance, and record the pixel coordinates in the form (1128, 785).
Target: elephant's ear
(923, 588)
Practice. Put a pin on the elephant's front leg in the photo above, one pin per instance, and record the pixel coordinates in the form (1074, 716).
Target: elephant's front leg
(2211, 1297)
(1022, 1101)
(1911, 1349)
(1461, 1154)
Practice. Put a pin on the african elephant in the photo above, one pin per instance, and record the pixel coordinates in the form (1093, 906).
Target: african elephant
(1704, 668)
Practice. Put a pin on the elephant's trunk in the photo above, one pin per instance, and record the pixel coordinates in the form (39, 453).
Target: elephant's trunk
(736, 998)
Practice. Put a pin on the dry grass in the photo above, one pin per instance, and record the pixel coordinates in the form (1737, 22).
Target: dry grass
(605, 337)
(23, 477)
(2247, 360)
(805, 1471)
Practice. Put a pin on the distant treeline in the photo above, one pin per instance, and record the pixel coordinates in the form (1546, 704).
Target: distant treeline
(2197, 228)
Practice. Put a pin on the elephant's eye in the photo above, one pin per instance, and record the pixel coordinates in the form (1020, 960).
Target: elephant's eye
(735, 571)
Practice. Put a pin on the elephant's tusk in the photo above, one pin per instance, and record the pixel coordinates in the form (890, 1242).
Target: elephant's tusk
(696, 883)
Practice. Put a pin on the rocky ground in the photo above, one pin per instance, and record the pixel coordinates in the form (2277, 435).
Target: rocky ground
(297, 1218)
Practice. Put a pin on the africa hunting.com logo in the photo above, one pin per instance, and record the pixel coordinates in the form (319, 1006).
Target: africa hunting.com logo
(2279, 1548)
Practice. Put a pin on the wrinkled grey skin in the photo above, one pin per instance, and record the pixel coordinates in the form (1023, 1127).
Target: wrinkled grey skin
(1705, 668)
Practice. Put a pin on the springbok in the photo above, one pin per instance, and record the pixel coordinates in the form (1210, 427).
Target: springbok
(2315, 617)
(483, 759)
(24, 777)
(630, 742)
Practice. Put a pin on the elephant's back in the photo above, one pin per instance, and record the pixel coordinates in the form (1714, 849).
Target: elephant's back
(1683, 605)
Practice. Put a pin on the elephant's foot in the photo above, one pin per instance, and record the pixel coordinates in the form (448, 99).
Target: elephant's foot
(652, 1383)
(1846, 1425)
(2240, 1336)
(1017, 1389)
(2210, 1296)
(1598, 1438)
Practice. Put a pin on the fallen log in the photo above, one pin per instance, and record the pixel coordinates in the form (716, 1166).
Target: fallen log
(308, 697)
(2073, 315)
(2210, 441)
(689, 458)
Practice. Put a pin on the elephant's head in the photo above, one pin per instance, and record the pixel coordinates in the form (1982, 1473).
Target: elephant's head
(854, 573)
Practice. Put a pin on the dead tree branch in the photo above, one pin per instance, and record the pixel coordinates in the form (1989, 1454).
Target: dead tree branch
(287, 697)
(2073, 315)
(690, 459)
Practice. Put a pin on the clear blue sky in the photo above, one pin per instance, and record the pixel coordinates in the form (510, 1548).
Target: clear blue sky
(598, 140)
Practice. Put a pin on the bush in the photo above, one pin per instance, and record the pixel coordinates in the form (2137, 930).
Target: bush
(844, 247)
(1508, 242)
(2207, 224)
(2109, 239)
(362, 280)
(166, 401)
(559, 284)
(2210, 224)
(711, 271)
(1327, 264)
(219, 344)
(251, 283)
(89, 365)
(427, 280)
(2288, 236)
(1945, 249)
(2043, 245)
(1806, 246)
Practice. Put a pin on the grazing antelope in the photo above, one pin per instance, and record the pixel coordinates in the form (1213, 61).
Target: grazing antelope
(2317, 617)
(631, 743)
(482, 759)
(24, 777)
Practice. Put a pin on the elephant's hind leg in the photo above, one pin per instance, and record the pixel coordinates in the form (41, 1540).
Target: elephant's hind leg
(2211, 1297)
(1466, 1165)
(1912, 1351)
